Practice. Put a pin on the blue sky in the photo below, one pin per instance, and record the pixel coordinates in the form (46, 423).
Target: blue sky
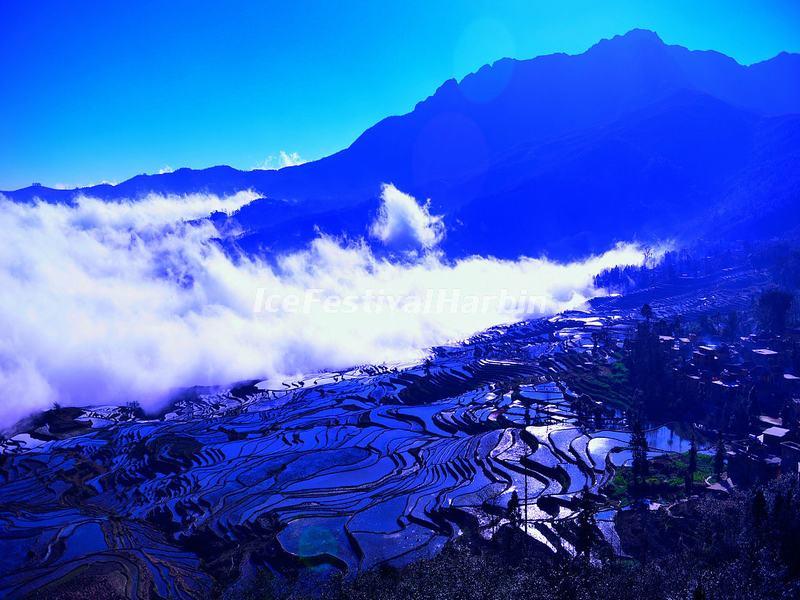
(94, 91)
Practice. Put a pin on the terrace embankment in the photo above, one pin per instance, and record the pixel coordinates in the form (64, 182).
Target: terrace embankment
(519, 426)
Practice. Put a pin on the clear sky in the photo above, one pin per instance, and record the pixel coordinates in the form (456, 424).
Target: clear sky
(93, 91)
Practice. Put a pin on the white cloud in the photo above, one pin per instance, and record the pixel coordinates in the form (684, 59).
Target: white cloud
(283, 159)
(114, 302)
(290, 159)
(74, 186)
(404, 224)
(165, 169)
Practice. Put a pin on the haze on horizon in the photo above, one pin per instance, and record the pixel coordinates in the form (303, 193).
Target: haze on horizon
(89, 97)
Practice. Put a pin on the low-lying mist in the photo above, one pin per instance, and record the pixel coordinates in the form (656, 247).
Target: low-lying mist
(106, 303)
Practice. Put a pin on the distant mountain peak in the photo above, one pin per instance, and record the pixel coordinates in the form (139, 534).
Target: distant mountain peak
(633, 38)
(641, 35)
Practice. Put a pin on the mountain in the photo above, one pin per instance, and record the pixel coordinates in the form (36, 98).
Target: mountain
(560, 154)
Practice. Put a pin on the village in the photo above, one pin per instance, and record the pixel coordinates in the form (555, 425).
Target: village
(725, 366)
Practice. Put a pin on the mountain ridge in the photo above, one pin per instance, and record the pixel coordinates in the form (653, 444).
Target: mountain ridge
(455, 144)
(635, 33)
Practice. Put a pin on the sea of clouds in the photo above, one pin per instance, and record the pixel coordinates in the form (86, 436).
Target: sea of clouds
(112, 302)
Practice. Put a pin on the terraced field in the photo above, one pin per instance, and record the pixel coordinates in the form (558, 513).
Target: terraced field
(339, 471)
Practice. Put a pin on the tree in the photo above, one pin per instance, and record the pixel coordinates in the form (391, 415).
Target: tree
(759, 509)
(742, 409)
(647, 312)
(648, 364)
(426, 366)
(772, 308)
(647, 260)
(719, 457)
(584, 535)
(488, 497)
(789, 413)
(513, 512)
(732, 325)
(639, 449)
(527, 403)
(692, 467)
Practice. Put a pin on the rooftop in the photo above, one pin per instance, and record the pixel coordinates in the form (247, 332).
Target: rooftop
(776, 431)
